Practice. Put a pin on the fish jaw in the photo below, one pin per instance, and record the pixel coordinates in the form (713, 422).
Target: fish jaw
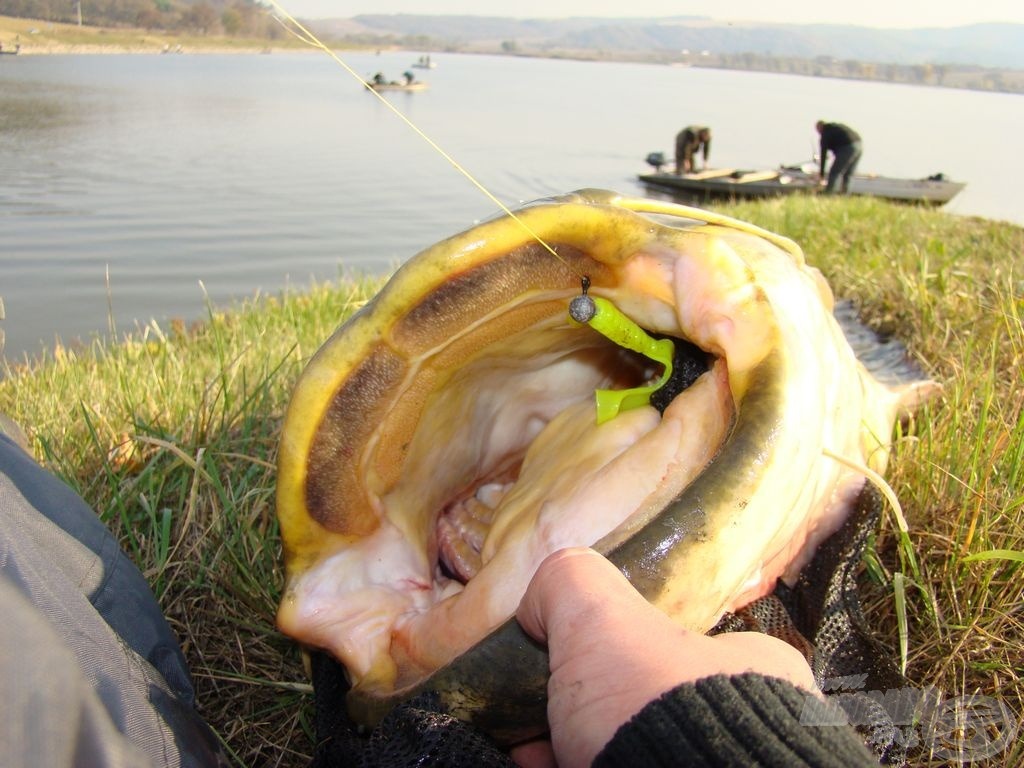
(395, 418)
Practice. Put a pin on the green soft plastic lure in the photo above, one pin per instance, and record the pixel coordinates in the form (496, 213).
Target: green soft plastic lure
(605, 318)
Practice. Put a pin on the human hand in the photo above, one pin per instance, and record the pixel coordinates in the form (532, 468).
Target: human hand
(611, 652)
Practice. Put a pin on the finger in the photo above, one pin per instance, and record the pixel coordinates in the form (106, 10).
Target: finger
(538, 604)
(534, 754)
(593, 583)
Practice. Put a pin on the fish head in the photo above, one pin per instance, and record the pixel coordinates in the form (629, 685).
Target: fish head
(443, 442)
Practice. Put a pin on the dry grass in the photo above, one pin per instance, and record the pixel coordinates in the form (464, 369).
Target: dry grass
(172, 437)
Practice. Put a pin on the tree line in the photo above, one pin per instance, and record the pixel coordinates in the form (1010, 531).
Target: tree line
(939, 75)
(942, 75)
(204, 17)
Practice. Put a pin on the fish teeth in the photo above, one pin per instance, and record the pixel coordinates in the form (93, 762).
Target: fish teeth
(491, 494)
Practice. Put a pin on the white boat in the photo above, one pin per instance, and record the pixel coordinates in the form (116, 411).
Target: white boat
(414, 86)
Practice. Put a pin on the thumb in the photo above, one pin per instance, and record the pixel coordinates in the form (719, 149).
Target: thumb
(596, 586)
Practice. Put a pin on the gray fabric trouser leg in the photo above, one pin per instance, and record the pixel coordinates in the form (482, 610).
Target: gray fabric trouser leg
(90, 671)
(844, 165)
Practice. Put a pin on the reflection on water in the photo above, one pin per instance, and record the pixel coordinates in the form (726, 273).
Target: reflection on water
(23, 108)
(136, 187)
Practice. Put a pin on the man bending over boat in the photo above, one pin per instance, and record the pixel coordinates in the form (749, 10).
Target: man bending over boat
(689, 141)
(845, 145)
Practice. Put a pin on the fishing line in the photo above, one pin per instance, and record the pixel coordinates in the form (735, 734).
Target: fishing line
(311, 39)
(603, 316)
(890, 495)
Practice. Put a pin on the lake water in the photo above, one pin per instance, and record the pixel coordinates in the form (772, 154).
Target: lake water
(140, 187)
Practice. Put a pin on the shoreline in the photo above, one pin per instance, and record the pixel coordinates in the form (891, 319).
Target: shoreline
(113, 50)
(35, 37)
(191, 46)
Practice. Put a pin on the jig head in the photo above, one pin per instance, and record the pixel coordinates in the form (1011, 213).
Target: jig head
(605, 318)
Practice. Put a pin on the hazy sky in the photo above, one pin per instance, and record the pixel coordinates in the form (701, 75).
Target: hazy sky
(868, 13)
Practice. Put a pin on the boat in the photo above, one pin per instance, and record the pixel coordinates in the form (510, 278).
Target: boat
(9, 51)
(414, 86)
(408, 83)
(424, 62)
(795, 179)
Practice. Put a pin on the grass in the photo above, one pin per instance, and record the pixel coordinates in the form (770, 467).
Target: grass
(171, 435)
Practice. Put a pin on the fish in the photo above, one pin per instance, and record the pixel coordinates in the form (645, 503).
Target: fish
(443, 441)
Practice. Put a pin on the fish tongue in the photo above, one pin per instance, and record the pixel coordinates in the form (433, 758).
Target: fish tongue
(579, 480)
(570, 454)
(536, 516)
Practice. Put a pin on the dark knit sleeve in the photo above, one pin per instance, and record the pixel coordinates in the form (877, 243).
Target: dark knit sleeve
(741, 720)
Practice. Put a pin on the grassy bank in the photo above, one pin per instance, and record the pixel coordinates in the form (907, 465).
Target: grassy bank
(41, 37)
(172, 437)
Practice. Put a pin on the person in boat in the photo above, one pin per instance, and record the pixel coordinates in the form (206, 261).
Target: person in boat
(379, 79)
(689, 141)
(409, 77)
(845, 145)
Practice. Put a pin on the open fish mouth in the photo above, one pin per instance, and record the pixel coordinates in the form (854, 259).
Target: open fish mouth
(444, 441)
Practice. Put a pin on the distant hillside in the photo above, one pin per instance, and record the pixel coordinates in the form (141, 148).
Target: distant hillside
(980, 45)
